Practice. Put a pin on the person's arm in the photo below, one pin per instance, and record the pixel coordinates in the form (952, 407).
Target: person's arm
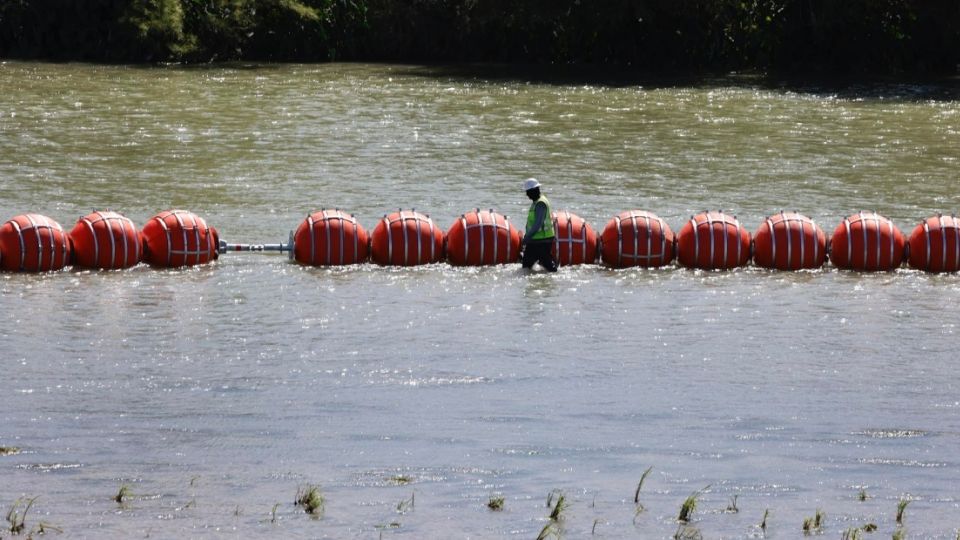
(540, 214)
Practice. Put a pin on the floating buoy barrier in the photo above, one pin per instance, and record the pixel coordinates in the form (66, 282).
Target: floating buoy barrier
(866, 241)
(330, 238)
(482, 238)
(406, 238)
(575, 241)
(176, 238)
(636, 238)
(789, 241)
(710, 240)
(33, 243)
(105, 241)
(713, 241)
(935, 245)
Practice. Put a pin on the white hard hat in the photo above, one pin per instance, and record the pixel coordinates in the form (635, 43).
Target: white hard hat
(530, 183)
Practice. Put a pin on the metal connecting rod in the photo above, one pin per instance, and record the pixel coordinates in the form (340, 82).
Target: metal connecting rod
(226, 247)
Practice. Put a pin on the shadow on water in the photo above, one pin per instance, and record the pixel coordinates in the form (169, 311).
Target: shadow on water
(945, 88)
(942, 88)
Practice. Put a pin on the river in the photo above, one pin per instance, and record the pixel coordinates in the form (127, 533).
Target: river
(414, 396)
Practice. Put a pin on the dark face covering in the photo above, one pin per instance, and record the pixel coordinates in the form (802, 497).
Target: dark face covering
(534, 194)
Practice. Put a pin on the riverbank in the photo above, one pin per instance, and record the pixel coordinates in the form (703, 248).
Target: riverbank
(776, 36)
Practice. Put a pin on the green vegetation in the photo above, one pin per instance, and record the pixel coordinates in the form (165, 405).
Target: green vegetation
(406, 505)
(557, 503)
(686, 532)
(813, 525)
(901, 508)
(495, 504)
(636, 494)
(852, 533)
(311, 500)
(556, 513)
(273, 513)
(384, 526)
(787, 36)
(689, 505)
(401, 479)
(15, 519)
(122, 494)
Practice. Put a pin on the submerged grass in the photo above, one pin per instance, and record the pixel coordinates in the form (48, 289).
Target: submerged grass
(42, 529)
(814, 525)
(18, 521)
(273, 513)
(687, 532)
(556, 513)
(901, 508)
(310, 499)
(690, 504)
(853, 533)
(557, 503)
(122, 494)
(383, 526)
(550, 530)
(636, 494)
(401, 479)
(407, 504)
(495, 504)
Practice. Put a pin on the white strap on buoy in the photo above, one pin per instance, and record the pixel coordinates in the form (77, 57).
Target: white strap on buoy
(740, 244)
(109, 219)
(892, 242)
(420, 221)
(482, 245)
(23, 247)
(696, 240)
(466, 237)
(710, 232)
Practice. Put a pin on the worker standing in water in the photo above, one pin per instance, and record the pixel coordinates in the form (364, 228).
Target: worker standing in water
(538, 240)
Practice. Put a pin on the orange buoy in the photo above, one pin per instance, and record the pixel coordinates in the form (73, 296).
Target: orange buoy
(636, 238)
(177, 238)
(481, 238)
(330, 238)
(406, 238)
(713, 241)
(575, 241)
(866, 241)
(33, 243)
(789, 241)
(105, 240)
(935, 244)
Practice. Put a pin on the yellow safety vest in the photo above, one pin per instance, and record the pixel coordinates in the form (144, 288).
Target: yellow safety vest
(545, 232)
